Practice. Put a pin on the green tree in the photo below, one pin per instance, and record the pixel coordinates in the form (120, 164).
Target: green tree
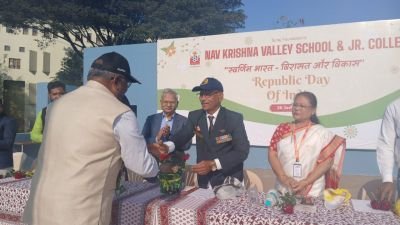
(72, 68)
(91, 23)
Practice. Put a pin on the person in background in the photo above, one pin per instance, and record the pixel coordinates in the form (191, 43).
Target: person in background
(8, 130)
(159, 126)
(305, 157)
(221, 140)
(388, 150)
(90, 133)
(55, 89)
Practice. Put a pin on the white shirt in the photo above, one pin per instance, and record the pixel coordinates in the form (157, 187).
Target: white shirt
(215, 114)
(171, 145)
(134, 151)
(388, 149)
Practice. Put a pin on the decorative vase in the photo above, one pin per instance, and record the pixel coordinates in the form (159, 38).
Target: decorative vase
(171, 183)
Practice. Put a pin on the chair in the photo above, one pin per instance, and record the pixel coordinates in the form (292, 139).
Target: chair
(190, 177)
(370, 190)
(251, 178)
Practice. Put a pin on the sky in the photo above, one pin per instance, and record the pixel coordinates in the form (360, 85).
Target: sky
(264, 14)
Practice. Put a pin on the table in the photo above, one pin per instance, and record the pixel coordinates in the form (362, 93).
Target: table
(142, 203)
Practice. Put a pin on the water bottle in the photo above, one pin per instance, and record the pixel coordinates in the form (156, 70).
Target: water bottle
(252, 195)
(272, 198)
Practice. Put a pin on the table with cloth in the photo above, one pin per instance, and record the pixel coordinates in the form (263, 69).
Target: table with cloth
(142, 203)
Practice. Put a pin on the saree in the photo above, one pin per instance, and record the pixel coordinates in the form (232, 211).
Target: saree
(315, 144)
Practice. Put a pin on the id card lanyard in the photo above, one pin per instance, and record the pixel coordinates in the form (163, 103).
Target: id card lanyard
(297, 169)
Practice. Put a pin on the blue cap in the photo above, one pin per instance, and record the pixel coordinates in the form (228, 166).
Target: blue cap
(209, 84)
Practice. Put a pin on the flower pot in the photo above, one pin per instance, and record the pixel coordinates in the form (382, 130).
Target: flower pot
(171, 183)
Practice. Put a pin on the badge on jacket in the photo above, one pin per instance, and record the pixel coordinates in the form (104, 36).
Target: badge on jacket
(223, 138)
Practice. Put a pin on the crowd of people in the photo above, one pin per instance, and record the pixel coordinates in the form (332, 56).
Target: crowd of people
(89, 135)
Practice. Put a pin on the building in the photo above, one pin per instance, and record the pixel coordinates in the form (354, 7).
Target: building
(25, 60)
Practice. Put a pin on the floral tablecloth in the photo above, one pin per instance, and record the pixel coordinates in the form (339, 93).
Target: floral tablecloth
(192, 209)
(13, 196)
(142, 203)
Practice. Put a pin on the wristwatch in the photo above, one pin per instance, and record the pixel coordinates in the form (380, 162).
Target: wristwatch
(213, 166)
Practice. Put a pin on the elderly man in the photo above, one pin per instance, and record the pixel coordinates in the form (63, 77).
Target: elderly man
(55, 90)
(160, 126)
(89, 131)
(221, 140)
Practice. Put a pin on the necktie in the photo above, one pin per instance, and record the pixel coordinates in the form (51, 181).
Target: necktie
(210, 128)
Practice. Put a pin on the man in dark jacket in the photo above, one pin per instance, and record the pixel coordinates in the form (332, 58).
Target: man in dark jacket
(8, 130)
(221, 140)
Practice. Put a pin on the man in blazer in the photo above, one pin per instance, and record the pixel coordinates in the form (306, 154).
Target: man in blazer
(159, 126)
(221, 140)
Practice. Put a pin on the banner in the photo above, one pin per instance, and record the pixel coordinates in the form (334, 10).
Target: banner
(353, 69)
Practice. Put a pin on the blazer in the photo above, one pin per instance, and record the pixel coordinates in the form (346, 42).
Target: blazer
(228, 142)
(8, 130)
(153, 124)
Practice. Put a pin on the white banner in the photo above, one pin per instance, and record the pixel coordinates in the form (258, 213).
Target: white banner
(354, 70)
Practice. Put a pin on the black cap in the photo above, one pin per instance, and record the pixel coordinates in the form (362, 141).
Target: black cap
(115, 63)
(209, 84)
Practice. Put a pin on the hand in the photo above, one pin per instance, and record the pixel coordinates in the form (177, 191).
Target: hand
(203, 167)
(387, 190)
(287, 181)
(157, 149)
(299, 186)
(163, 132)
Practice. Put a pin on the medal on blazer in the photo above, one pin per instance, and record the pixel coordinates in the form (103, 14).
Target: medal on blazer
(223, 138)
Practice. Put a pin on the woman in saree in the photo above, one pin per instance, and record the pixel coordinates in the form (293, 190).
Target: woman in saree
(305, 157)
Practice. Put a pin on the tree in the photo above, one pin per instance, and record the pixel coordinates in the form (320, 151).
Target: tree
(92, 23)
(72, 68)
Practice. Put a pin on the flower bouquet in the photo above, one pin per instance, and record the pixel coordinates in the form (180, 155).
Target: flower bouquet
(172, 169)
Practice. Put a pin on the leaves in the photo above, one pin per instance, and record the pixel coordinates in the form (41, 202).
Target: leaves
(287, 199)
(92, 23)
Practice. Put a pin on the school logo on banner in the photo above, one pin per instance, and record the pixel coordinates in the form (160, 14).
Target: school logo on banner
(195, 58)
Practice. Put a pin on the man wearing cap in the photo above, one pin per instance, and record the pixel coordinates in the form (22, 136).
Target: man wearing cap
(221, 140)
(88, 132)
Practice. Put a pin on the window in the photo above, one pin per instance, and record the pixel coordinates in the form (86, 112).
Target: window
(25, 30)
(7, 48)
(14, 63)
(34, 31)
(46, 33)
(21, 49)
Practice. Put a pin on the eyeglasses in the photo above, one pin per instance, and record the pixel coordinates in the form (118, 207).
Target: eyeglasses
(301, 106)
(168, 103)
(207, 94)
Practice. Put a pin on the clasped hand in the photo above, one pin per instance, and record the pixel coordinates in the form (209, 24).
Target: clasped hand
(294, 185)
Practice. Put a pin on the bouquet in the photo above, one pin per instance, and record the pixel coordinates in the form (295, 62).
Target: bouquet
(172, 169)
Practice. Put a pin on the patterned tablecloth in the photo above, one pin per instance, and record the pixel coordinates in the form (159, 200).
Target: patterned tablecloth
(142, 203)
(13, 196)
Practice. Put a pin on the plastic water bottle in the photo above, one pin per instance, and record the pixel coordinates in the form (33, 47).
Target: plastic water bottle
(252, 195)
(272, 198)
